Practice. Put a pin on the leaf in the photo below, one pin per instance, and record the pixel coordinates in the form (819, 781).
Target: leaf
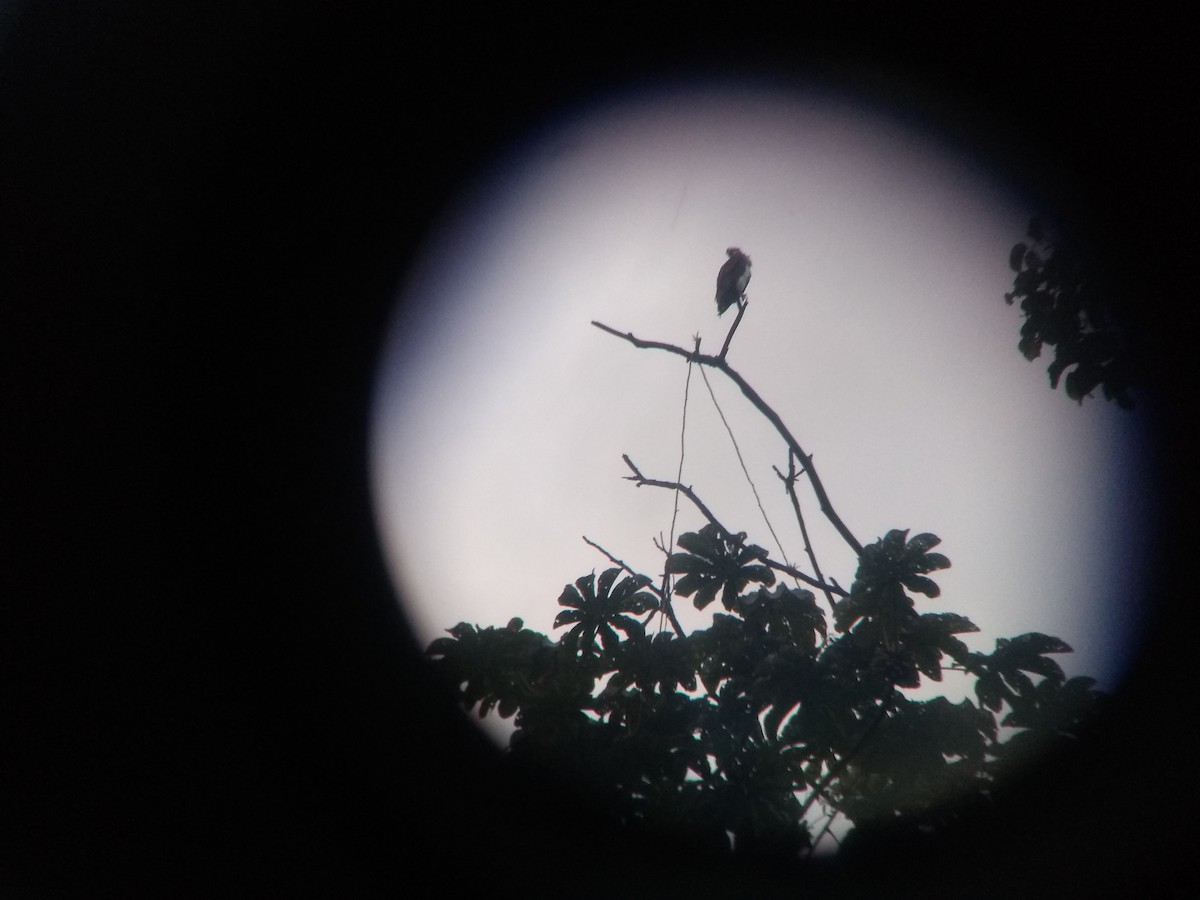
(714, 564)
(1036, 642)
(949, 623)
(705, 542)
(567, 617)
(606, 581)
(683, 563)
(1016, 256)
(922, 543)
(1018, 681)
(938, 630)
(577, 594)
(932, 562)
(1082, 381)
(608, 637)
(1055, 370)
(1013, 657)
(705, 596)
(929, 661)
(760, 574)
(489, 666)
(990, 691)
(632, 627)
(919, 584)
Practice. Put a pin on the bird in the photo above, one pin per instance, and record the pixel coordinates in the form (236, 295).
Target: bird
(732, 279)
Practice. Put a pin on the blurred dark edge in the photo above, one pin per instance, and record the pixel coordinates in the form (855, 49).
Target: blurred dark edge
(207, 687)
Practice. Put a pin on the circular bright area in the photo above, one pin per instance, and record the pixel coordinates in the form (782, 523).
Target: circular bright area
(876, 328)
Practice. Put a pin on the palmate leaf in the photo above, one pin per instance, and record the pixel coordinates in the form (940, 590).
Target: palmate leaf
(598, 609)
(1001, 675)
(885, 569)
(656, 738)
(713, 563)
(727, 650)
(1056, 707)
(781, 683)
(834, 701)
(1027, 652)
(922, 755)
(489, 666)
(931, 635)
(1063, 297)
(663, 662)
(784, 615)
(921, 734)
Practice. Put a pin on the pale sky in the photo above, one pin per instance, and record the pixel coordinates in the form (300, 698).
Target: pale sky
(877, 329)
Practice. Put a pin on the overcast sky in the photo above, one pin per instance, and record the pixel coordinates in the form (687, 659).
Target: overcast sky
(876, 328)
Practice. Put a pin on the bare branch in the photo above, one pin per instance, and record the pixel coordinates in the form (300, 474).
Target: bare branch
(789, 482)
(657, 345)
(641, 479)
(663, 597)
(737, 538)
(808, 579)
(833, 814)
(732, 328)
(620, 562)
(719, 363)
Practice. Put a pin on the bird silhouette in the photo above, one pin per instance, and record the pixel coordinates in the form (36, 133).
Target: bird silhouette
(732, 279)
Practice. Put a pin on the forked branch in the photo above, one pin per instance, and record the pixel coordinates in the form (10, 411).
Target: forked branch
(738, 538)
(718, 362)
(789, 482)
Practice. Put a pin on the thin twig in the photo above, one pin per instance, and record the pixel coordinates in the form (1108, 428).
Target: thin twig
(670, 542)
(718, 362)
(824, 831)
(682, 434)
(620, 562)
(789, 482)
(663, 598)
(732, 328)
(742, 462)
(738, 538)
(793, 572)
(641, 479)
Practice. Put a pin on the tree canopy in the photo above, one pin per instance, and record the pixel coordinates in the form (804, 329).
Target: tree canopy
(1066, 307)
(794, 719)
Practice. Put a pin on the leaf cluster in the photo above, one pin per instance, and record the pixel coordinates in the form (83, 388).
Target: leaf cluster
(732, 733)
(715, 562)
(755, 734)
(1065, 307)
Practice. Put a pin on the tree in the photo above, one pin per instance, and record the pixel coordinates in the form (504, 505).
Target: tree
(1066, 307)
(755, 735)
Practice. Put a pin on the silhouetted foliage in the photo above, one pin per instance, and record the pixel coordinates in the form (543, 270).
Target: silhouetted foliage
(755, 734)
(1066, 308)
